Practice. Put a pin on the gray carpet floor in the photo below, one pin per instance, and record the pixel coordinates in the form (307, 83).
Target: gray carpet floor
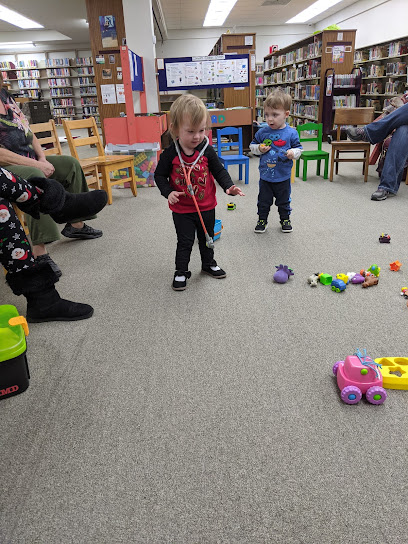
(212, 415)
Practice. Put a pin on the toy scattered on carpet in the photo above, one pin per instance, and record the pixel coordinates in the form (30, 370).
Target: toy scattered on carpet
(384, 238)
(370, 281)
(343, 277)
(231, 206)
(374, 269)
(357, 375)
(338, 286)
(282, 274)
(357, 278)
(325, 279)
(313, 280)
(394, 372)
(395, 266)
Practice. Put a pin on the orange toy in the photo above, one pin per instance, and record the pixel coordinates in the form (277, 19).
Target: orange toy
(395, 266)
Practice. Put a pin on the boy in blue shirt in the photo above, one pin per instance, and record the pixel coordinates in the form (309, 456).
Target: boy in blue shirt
(277, 144)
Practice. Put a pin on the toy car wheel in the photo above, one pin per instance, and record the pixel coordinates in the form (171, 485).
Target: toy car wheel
(336, 366)
(376, 394)
(351, 394)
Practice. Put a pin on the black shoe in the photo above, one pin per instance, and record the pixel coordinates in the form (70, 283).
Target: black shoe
(219, 274)
(357, 134)
(381, 194)
(86, 233)
(261, 226)
(61, 310)
(180, 284)
(286, 225)
(47, 259)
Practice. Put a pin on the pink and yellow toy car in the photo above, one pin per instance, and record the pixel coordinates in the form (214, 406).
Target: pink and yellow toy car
(359, 375)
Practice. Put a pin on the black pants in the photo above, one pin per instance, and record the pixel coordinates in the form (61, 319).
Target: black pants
(186, 226)
(281, 192)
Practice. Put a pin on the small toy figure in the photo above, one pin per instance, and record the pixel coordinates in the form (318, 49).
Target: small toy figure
(267, 142)
(374, 269)
(369, 281)
(282, 274)
(351, 275)
(343, 277)
(404, 292)
(359, 375)
(313, 280)
(384, 238)
(326, 279)
(357, 278)
(338, 286)
(395, 266)
(231, 206)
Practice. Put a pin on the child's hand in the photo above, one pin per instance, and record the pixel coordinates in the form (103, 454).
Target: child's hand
(173, 197)
(264, 148)
(234, 190)
(290, 154)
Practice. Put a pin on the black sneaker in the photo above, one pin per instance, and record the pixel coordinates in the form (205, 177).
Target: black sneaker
(357, 134)
(219, 274)
(261, 226)
(86, 233)
(286, 225)
(180, 280)
(47, 259)
(381, 194)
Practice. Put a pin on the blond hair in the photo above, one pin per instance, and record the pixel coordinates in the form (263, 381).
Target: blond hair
(278, 100)
(190, 107)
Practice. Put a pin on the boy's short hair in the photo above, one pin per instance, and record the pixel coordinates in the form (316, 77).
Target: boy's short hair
(190, 106)
(278, 100)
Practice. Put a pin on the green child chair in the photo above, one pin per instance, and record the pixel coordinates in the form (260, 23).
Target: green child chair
(315, 154)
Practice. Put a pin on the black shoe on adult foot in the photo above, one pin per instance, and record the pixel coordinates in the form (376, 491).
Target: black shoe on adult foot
(261, 226)
(49, 306)
(47, 259)
(180, 280)
(214, 271)
(86, 233)
(80, 205)
(357, 134)
(381, 194)
(286, 225)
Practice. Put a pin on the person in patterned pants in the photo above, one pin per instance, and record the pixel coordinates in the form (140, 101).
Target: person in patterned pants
(36, 281)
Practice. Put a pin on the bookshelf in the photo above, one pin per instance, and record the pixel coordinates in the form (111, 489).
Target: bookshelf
(68, 83)
(299, 69)
(384, 72)
(259, 92)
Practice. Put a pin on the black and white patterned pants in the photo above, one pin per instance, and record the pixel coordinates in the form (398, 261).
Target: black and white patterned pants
(15, 249)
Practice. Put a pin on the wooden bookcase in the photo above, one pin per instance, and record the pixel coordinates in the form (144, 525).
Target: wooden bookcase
(299, 70)
(236, 97)
(384, 72)
(259, 92)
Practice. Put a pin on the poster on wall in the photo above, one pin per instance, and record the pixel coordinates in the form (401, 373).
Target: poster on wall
(108, 31)
(108, 93)
(338, 54)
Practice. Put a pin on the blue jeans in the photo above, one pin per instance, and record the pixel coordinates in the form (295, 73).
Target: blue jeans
(397, 153)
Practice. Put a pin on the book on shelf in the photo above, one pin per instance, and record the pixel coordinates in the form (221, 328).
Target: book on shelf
(348, 101)
(57, 62)
(397, 48)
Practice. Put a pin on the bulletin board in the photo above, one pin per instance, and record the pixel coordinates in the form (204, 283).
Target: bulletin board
(203, 72)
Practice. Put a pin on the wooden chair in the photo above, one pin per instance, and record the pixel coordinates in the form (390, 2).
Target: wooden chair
(106, 163)
(90, 169)
(351, 116)
(315, 154)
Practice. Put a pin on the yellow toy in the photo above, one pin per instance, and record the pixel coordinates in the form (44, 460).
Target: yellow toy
(343, 277)
(394, 371)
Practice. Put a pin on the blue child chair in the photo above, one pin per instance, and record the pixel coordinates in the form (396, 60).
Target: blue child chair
(239, 159)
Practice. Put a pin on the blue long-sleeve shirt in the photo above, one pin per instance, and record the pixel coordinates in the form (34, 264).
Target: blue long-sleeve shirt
(274, 166)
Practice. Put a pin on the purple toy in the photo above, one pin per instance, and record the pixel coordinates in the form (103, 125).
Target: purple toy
(282, 273)
(358, 278)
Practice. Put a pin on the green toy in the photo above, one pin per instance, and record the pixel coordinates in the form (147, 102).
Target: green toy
(14, 373)
(326, 279)
(231, 206)
(267, 141)
(375, 270)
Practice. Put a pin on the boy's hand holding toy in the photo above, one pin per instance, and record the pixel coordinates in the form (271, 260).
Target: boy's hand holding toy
(264, 148)
(234, 190)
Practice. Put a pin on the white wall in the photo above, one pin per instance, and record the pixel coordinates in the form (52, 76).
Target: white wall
(200, 41)
(376, 21)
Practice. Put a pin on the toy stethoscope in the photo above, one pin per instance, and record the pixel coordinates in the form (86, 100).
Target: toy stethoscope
(187, 168)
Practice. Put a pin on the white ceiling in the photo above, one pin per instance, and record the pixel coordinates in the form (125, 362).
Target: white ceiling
(64, 21)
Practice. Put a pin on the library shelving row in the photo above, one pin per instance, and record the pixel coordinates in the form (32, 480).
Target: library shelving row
(299, 69)
(260, 94)
(384, 72)
(67, 82)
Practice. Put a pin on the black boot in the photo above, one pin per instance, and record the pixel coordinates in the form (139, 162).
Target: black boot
(43, 300)
(63, 206)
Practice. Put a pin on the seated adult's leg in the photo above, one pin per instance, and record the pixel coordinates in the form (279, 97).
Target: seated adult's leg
(379, 130)
(395, 160)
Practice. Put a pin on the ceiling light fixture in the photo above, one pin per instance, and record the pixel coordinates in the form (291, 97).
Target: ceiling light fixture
(17, 19)
(218, 11)
(312, 11)
(16, 45)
